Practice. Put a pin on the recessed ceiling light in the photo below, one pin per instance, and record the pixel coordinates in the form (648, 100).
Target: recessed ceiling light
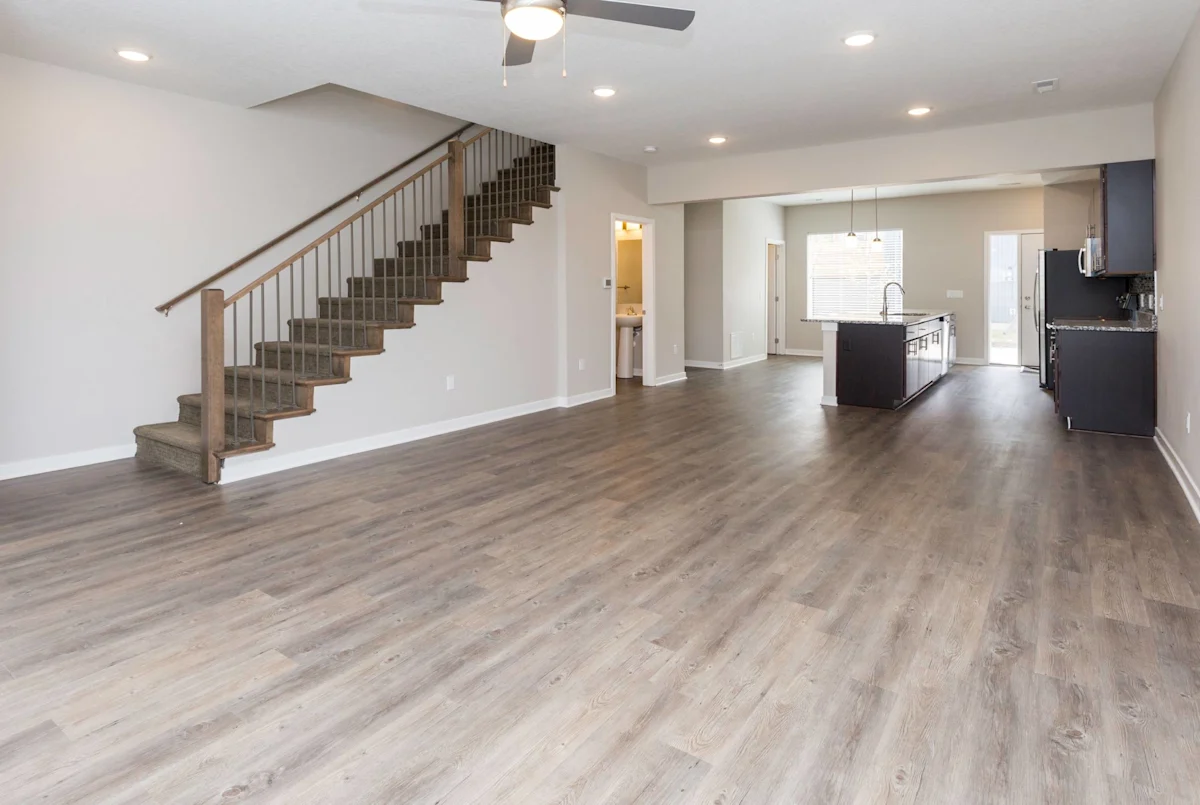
(133, 55)
(1048, 85)
(651, 149)
(919, 111)
(604, 92)
(716, 140)
(860, 39)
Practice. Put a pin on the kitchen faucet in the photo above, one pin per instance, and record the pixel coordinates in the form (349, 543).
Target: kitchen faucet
(884, 312)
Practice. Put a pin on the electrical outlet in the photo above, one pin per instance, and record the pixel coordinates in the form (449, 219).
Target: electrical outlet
(582, 364)
(1162, 301)
(449, 382)
(954, 294)
(675, 347)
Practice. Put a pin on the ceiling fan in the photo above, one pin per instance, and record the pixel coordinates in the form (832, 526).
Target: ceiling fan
(530, 21)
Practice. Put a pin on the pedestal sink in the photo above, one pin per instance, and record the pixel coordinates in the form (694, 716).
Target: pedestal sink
(625, 325)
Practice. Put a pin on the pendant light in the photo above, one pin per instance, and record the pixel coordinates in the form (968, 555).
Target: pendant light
(851, 237)
(877, 243)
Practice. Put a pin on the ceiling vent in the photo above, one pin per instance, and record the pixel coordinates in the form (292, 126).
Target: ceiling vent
(1042, 87)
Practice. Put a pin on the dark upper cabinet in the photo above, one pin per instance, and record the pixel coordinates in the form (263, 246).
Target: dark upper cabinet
(1128, 192)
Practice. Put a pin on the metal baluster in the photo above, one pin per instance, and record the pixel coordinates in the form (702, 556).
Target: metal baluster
(236, 432)
(262, 327)
(395, 249)
(362, 259)
(329, 289)
(278, 347)
(292, 314)
(372, 304)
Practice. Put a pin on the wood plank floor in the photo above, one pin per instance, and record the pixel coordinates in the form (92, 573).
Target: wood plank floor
(711, 592)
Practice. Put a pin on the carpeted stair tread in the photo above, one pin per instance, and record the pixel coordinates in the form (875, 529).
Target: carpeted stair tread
(359, 323)
(401, 300)
(310, 348)
(244, 409)
(187, 437)
(283, 377)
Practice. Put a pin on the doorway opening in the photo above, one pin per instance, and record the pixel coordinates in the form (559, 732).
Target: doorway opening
(1011, 266)
(633, 270)
(776, 299)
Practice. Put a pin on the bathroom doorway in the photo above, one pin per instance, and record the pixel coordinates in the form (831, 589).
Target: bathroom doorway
(633, 357)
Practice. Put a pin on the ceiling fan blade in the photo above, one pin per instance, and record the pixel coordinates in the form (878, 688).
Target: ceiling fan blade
(675, 19)
(519, 51)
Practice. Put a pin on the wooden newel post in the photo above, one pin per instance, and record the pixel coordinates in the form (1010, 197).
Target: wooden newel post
(457, 246)
(212, 383)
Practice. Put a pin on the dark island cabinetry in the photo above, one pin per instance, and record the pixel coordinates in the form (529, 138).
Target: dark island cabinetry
(886, 365)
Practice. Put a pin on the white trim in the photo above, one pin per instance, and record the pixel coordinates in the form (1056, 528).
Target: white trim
(975, 362)
(238, 471)
(649, 314)
(744, 361)
(780, 269)
(1190, 490)
(987, 276)
(585, 398)
(675, 378)
(830, 401)
(726, 365)
(66, 461)
(805, 353)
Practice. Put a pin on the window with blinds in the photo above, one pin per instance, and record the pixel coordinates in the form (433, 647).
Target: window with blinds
(848, 280)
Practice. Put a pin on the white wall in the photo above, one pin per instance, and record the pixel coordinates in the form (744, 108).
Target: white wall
(704, 281)
(1025, 146)
(1177, 209)
(748, 225)
(594, 188)
(943, 250)
(115, 197)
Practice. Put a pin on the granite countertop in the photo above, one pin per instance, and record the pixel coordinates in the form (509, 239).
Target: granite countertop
(1105, 325)
(899, 317)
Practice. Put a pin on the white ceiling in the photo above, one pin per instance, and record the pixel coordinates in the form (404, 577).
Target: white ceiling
(767, 74)
(1010, 181)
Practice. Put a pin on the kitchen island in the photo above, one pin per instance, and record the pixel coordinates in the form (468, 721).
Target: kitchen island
(885, 361)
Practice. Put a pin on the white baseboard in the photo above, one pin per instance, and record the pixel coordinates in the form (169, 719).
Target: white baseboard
(744, 361)
(726, 365)
(830, 401)
(67, 461)
(1190, 490)
(637, 372)
(675, 378)
(584, 399)
(805, 353)
(235, 471)
(971, 361)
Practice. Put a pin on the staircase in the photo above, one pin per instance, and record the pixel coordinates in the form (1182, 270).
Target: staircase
(267, 348)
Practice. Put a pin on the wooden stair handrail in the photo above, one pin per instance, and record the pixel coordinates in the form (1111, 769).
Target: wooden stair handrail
(165, 307)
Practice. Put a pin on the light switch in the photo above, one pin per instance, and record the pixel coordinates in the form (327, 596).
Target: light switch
(954, 294)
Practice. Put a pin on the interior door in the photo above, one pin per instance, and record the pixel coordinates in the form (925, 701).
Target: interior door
(1031, 243)
(773, 340)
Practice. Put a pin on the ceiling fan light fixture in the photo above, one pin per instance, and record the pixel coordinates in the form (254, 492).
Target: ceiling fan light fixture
(534, 20)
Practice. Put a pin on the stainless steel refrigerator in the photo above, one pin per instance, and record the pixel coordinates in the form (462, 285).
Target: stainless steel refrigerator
(1065, 293)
